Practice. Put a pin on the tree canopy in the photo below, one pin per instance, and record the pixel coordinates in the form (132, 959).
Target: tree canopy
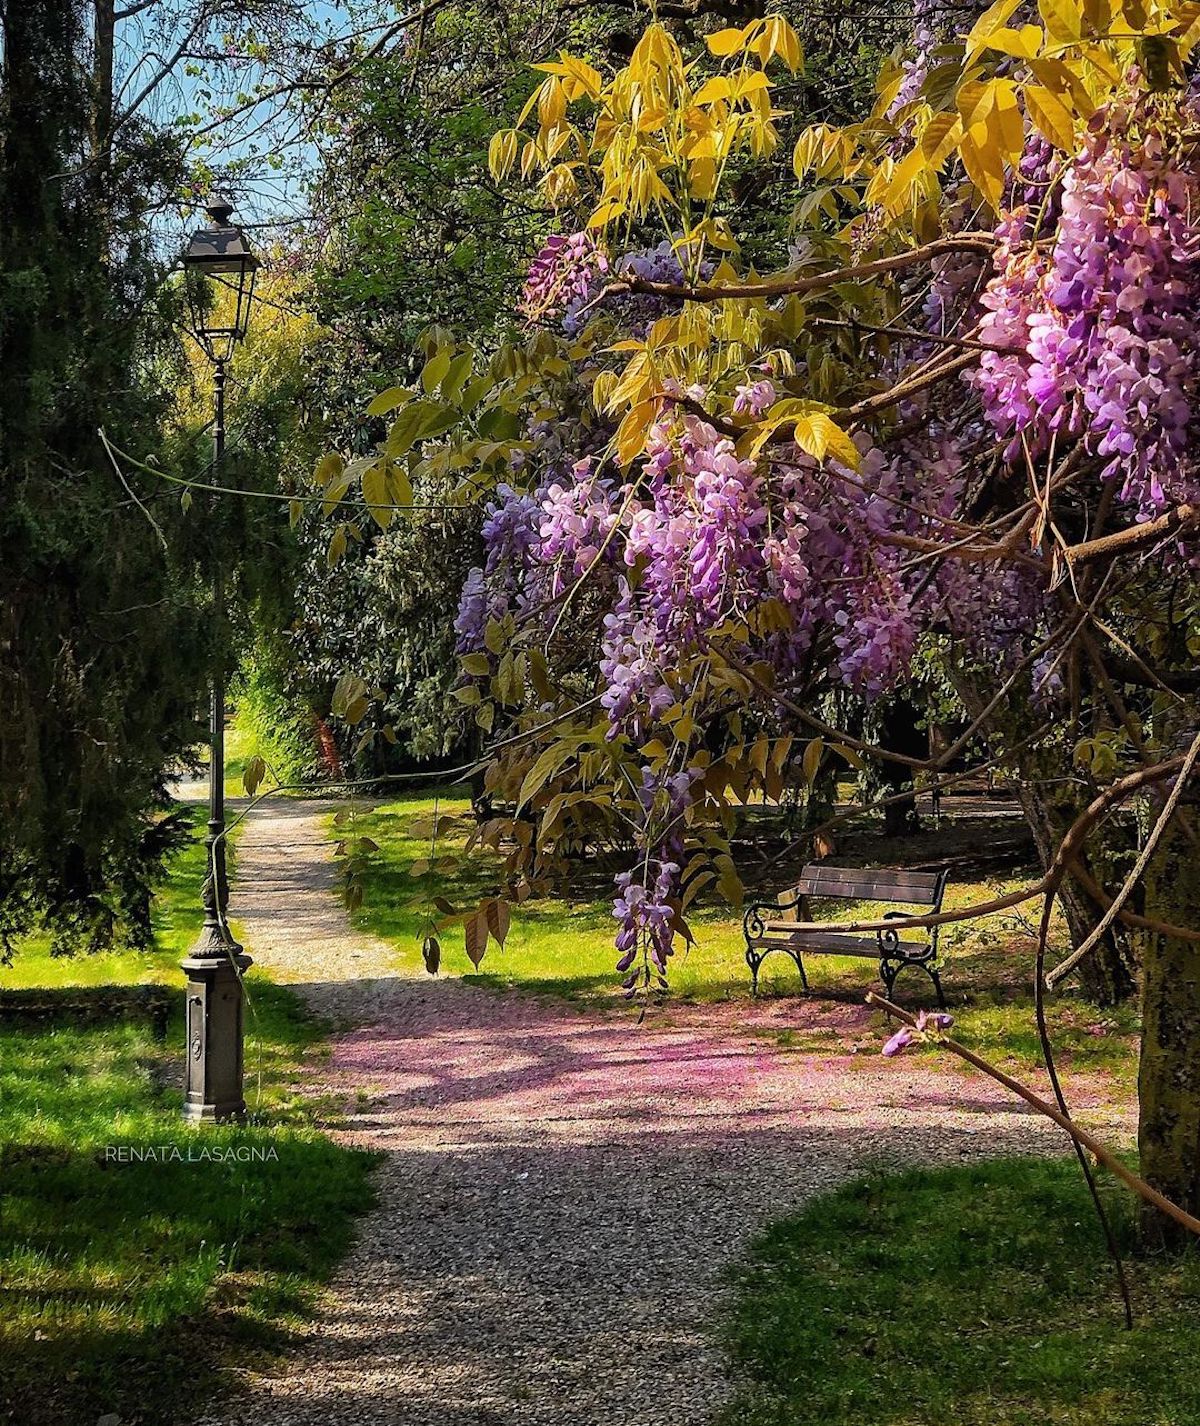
(944, 409)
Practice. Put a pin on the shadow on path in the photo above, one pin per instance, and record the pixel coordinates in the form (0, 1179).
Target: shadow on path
(561, 1192)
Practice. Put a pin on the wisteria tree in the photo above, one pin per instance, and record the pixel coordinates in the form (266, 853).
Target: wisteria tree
(949, 411)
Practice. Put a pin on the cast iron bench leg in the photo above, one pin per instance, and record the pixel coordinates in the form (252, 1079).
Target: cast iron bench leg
(889, 970)
(753, 960)
(937, 985)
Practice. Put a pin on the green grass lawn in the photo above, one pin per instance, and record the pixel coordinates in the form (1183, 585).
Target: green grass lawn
(556, 946)
(177, 916)
(975, 1296)
(125, 1286)
(564, 948)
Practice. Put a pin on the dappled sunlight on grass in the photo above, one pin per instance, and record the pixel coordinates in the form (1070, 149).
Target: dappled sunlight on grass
(978, 1295)
(117, 1270)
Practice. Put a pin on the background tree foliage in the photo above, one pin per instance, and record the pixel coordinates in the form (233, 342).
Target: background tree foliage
(102, 649)
(106, 642)
(410, 232)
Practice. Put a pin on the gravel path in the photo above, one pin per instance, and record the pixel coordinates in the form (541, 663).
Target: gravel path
(561, 1191)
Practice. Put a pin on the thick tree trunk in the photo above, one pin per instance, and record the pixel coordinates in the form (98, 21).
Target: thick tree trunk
(1106, 975)
(1169, 1077)
(899, 731)
(1049, 809)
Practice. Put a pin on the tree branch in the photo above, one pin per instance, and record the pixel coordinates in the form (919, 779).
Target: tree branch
(786, 286)
(1175, 522)
(1052, 1112)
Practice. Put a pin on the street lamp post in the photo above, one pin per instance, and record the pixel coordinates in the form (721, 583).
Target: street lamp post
(219, 271)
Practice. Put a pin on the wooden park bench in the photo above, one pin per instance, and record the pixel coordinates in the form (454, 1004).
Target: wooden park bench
(771, 925)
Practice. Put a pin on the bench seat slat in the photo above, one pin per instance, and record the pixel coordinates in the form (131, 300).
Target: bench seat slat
(912, 888)
(834, 874)
(820, 943)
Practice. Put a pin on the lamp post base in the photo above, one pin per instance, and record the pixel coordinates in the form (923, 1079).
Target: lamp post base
(213, 1073)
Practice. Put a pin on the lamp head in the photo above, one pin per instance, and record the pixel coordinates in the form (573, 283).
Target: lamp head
(219, 270)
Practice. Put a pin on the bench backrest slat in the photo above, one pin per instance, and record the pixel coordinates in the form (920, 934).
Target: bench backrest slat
(867, 884)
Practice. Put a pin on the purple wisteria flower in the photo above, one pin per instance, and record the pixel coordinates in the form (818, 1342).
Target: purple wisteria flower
(564, 277)
(903, 1037)
(926, 1021)
(753, 398)
(1098, 334)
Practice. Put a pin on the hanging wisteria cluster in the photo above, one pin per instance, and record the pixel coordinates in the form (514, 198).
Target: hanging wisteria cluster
(1085, 321)
(1097, 334)
(568, 276)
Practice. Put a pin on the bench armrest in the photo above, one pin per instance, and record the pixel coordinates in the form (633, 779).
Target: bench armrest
(891, 944)
(753, 920)
(890, 940)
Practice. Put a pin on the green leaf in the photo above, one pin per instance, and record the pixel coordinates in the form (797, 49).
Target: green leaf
(399, 486)
(347, 689)
(328, 468)
(543, 769)
(457, 376)
(729, 884)
(253, 774)
(436, 368)
(499, 424)
(389, 400)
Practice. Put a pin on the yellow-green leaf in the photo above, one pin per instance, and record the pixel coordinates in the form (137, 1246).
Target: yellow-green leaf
(1062, 20)
(995, 17)
(724, 42)
(1051, 116)
(436, 368)
(375, 493)
(328, 468)
(1021, 44)
(389, 400)
(252, 776)
(940, 138)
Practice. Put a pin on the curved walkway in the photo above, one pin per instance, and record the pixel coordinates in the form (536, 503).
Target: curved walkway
(561, 1192)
